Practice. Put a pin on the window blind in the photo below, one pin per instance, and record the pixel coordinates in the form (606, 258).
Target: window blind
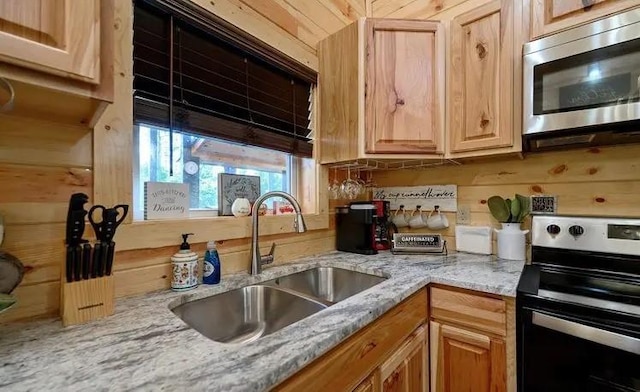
(186, 77)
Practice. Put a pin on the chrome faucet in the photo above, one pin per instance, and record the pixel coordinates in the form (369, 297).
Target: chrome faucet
(298, 224)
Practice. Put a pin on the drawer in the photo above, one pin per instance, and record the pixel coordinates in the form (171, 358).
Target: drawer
(473, 310)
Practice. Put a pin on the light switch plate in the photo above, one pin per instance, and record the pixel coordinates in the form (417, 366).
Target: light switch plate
(463, 215)
(544, 205)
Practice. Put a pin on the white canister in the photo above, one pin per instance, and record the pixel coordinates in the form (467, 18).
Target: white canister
(241, 207)
(185, 267)
(511, 242)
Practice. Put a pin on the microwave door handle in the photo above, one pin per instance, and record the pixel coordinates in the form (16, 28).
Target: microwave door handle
(597, 335)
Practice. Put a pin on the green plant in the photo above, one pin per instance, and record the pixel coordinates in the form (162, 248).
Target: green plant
(509, 211)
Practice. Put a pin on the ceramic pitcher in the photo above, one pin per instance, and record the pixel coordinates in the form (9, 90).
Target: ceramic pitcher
(511, 242)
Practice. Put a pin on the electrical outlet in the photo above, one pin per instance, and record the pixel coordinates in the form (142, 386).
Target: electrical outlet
(463, 216)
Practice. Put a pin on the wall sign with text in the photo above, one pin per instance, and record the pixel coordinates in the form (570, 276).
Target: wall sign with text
(427, 196)
(166, 200)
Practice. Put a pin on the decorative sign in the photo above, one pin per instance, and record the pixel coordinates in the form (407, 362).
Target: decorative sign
(427, 196)
(544, 205)
(594, 93)
(166, 200)
(418, 243)
(233, 186)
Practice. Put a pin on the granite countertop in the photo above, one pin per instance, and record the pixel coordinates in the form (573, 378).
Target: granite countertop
(144, 346)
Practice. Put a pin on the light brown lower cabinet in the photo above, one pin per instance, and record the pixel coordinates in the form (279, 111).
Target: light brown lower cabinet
(464, 348)
(462, 360)
(369, 385)
(355, 364)
(407, 369)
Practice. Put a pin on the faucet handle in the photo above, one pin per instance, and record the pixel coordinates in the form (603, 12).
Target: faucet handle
(268, 259)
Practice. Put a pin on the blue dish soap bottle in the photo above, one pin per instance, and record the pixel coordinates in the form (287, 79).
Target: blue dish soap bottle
(211, 274)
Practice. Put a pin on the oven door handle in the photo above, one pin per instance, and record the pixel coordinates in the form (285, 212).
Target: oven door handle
(597, 335)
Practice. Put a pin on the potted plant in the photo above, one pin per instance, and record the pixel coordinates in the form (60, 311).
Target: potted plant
(510, 213)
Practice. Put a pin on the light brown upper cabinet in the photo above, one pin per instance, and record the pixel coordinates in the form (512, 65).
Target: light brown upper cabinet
(54, 36)
(481, 79)
(381, 87)
(49, 47)
(550, 16)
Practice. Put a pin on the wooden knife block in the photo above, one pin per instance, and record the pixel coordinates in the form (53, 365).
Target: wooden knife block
(86, 300)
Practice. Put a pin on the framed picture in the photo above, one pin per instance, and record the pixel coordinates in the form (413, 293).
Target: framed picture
(166, 200)
(233, 186)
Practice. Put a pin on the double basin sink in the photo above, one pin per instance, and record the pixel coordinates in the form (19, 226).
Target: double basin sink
(246, 314)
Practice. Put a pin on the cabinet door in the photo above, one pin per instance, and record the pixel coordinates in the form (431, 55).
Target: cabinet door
(462, 360)
(481, 78)
(61, 37)
(403, 93)
(549, 16)
(406, 370)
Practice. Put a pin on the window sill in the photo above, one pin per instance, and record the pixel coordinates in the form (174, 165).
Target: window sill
(160, 233)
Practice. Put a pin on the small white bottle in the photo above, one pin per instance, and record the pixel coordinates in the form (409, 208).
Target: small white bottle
(185, 267)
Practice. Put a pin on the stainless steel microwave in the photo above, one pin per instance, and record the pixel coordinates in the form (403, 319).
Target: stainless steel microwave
(582, 86)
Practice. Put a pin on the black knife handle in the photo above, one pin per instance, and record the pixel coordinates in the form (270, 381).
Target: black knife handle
(97, 257)
(103, 259)
(110, 252)
(77, 262)
(86, 260)
(69, 265)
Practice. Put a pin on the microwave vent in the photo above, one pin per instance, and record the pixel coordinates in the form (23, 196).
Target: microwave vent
(565, 141)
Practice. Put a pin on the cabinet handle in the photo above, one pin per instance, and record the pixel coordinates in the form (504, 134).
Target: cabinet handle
(587, 4)
(6, 85)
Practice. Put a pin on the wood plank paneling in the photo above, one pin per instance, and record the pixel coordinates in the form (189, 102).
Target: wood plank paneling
(22, 183)
(113, 133)
(237, 13)
(42, 163)
(61, 145)
(598, 181)
(233, 259)
(414, 9)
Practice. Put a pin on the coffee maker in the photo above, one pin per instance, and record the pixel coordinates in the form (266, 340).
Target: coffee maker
(364, 227)
(384, 228)
(356, 228)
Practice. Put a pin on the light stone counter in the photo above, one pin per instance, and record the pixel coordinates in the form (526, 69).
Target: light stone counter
(144, 346)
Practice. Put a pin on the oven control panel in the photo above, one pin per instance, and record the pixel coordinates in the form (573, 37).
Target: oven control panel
(612, 235)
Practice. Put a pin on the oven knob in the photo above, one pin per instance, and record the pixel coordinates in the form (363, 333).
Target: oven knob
(576, 231)
(553, 229)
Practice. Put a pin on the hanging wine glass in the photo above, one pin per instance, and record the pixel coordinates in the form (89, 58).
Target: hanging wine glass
(350, 187)
(369, 186)
(362, 191)
(335, 191)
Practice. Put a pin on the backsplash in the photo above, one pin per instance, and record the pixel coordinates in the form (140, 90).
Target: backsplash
(598, 181)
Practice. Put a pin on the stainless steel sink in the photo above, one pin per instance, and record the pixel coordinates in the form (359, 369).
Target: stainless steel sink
(246, 314)
(327, 284)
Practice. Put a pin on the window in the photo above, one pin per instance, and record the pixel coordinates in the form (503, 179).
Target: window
(210, 100)
(205, 158)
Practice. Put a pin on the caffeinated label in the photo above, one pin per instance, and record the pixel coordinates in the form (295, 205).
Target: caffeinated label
(417, 241)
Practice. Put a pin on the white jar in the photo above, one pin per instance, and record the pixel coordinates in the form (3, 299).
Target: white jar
(241, 207)
(185, 270)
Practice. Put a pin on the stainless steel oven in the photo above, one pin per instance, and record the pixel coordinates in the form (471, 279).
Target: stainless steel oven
(582, 86)
(578, 307)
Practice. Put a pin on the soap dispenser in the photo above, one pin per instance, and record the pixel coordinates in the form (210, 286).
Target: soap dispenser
(185, 267)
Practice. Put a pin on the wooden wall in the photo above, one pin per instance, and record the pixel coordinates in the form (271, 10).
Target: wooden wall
(597, 181)
(42, 164)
